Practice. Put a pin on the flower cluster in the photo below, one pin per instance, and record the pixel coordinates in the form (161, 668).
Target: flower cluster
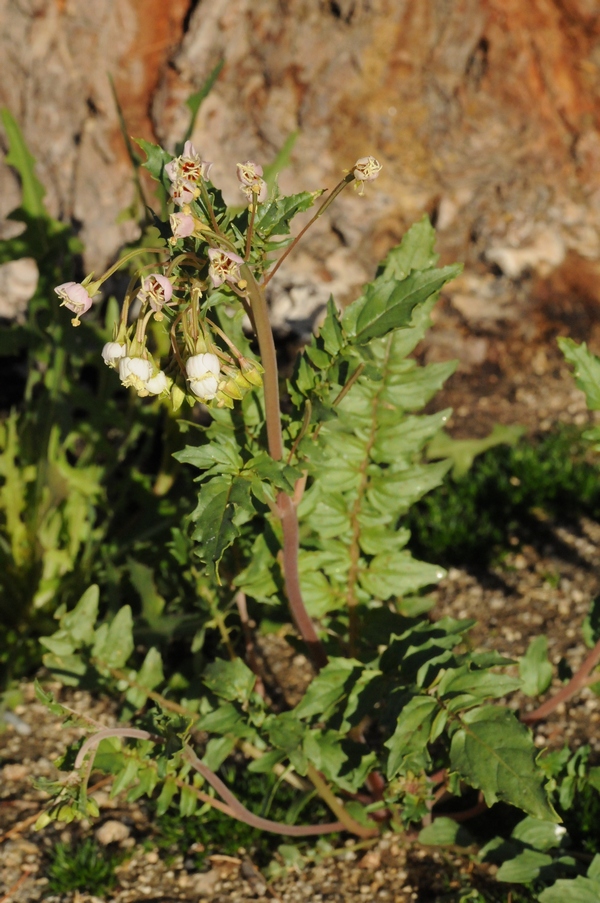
(208, 250)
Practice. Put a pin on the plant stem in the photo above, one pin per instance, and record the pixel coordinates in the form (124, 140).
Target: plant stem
(338, 188)
(337, 807)
(256, 821)
(577, 682)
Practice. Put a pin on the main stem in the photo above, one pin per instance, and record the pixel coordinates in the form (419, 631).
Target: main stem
(285, 505)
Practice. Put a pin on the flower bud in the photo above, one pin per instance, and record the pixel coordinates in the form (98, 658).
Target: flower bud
(252, 370)
(253, 185)
(75, 298)
(206, 388)
(157, 384)
(201, 365)
(112, 353)
(135, 371)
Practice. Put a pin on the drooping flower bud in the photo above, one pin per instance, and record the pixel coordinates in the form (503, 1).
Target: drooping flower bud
(156, 290)
(75, 298)
(112, 354)
(224, 266)
(135, 371)
(182, 224)
(203, 372)
(365, 170)
(157, 384)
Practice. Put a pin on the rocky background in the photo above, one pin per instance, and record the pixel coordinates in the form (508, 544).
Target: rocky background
(485, 114)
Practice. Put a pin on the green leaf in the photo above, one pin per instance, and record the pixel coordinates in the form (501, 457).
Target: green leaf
(221, 720)
(125, 777)
(579, 890)
(587, 369)
(233, 681)
(157, 158)
(273, 217)
(217, 514)
(330, 686)
(541, 835)
(32, 190)
(462, 452)
(214, 457)
(217, 750)
(535, 670)
(408, 743)
(446, 832)
(389, 304)
(285, 731)
(494, 752)
(281, 161)
(114, 643)
(524, 868)
(80, 622)
(398, 573)
(69, 669)
(195, 100)
(153, 603)
(167, 793)
(149, 676)
(60, 643)
(464, 687)
(415, 252)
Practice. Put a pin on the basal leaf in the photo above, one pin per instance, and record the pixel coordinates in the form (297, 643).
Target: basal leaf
(233, 681)
(330, 686)
(149, 676)
(494, 752)
(408, 743)
(446, 832)
(578, 890)
(524, 868)
(464, 687)
(114, 643)
(541, 835)
(80, 622)
(535, 670)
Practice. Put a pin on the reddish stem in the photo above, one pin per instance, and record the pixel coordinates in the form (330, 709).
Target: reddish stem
(577, 682)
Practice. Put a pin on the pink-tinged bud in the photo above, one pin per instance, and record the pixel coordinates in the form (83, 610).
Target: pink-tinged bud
(112, 354)
(158, 384)
(75, 298)
(135, 371)
(156, 290)
(182, 224)
(366, 169)
(224, 266)
(200, 365)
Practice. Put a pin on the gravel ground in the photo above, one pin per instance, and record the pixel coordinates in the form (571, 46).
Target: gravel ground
(544, 587)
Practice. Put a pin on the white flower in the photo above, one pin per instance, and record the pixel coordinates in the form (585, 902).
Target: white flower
(206, 388)
(203, 373)
(135, 371)
(158, 384)
(112, 353)
(202, 364)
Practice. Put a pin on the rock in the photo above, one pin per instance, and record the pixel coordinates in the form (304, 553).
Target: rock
(15, 772)
(18, 282)
(204, 883)
(112, 831)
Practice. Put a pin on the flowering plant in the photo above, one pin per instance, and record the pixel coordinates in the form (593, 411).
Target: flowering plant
(302, 494)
